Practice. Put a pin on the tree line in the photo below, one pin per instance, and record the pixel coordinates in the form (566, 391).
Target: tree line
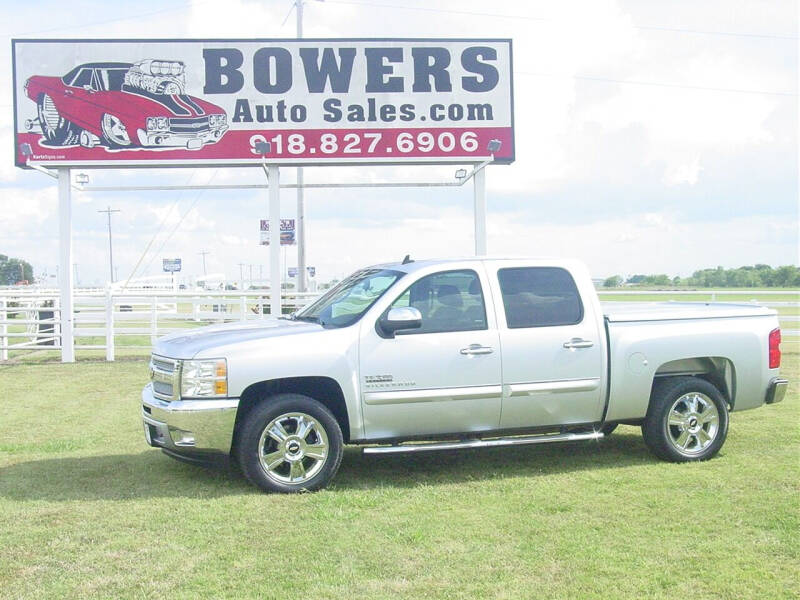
(747, 277)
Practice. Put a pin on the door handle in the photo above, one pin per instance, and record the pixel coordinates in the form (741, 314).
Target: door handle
(474, 349)
(578, 343)
(69, 93)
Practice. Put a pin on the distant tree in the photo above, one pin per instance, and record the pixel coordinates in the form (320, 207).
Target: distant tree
(634, 279)
(787, 276)
(612, 282)
(656, 280)
(14, 270)
(747, 276)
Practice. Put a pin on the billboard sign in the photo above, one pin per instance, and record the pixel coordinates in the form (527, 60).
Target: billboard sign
(287, 232)
(171, 265)
(114, 103)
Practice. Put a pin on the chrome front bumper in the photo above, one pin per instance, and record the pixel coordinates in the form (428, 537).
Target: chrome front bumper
(776, 390)
(189, 427)
(190, 141)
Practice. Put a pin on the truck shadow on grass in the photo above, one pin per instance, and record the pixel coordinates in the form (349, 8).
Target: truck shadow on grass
(359, 471)
(150, 474)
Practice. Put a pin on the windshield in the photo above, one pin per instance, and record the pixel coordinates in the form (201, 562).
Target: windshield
(344, 304)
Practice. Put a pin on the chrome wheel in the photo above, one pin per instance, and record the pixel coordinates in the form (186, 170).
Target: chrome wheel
(114, 130)
(692, 423)
(293, 448)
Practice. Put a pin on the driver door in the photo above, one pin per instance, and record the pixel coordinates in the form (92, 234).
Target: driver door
(441, 378)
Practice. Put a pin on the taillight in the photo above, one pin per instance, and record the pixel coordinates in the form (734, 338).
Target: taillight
(775, 348)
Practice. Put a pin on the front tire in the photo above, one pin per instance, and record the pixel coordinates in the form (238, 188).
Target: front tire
(687, 420)
(115, 135)
(290, 443)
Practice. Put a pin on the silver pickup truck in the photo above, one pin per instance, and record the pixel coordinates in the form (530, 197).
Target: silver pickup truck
(439, 355)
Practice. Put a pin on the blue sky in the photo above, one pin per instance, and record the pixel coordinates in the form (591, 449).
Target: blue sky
(651, 137)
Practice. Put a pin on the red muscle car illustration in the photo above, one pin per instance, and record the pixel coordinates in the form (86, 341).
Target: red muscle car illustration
(123, 105)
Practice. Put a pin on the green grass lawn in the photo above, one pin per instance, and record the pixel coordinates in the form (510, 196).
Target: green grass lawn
(88, 510)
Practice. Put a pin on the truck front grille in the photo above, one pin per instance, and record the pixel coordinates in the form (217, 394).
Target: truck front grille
(165, 376)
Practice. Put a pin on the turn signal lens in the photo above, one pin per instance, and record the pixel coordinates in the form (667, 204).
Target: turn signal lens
(775, 348)
(221, 388)
(222, 368)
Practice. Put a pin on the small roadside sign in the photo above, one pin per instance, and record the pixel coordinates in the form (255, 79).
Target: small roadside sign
(287, 232)
(171, 265)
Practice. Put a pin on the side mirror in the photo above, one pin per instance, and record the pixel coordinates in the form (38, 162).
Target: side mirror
(400, 318)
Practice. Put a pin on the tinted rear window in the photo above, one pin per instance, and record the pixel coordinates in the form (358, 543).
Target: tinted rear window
(539, 297)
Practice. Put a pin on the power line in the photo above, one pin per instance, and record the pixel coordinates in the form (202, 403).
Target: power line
(658, 84)
(548, 20)
(178, 224)
(107, 21)
(163, 222)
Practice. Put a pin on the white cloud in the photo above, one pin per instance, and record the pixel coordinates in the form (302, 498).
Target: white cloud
(680, 174)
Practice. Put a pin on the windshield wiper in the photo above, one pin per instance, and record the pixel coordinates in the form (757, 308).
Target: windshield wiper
(307, 319)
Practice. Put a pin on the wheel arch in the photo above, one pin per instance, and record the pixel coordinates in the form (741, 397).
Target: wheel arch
(717, 370)
(325, 390)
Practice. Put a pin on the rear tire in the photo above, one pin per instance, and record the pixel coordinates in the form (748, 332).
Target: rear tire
(687, 420)
(290, 443)
(57, 130)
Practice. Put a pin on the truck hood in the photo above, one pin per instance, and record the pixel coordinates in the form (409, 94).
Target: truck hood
(190, 343)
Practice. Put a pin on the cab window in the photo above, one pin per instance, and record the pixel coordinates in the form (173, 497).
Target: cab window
(539, 297)
(447, 301)
(84, 77)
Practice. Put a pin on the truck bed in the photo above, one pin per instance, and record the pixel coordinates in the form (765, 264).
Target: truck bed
(622, 312)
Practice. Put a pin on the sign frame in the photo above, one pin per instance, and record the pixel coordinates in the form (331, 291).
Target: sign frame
(506, 156)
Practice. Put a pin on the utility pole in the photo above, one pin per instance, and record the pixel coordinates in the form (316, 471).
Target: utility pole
(301, 206)
(203, 254)
(241, 275)
(108, 211)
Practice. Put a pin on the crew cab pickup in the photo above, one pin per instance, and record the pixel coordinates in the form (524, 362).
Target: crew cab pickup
(447, 354)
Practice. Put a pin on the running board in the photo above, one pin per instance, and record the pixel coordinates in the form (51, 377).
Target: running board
(490, 443)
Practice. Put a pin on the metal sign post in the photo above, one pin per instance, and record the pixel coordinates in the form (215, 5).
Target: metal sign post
(479, 187)
(273, 174)
(65, 265)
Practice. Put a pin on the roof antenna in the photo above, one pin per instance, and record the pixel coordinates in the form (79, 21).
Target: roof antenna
(407, 260)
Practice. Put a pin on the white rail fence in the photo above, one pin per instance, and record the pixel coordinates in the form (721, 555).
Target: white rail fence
(102, 320)
(31, 320)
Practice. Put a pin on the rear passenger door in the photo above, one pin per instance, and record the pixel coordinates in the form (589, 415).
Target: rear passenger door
(552, 348)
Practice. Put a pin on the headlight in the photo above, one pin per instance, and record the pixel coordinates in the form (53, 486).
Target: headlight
(204, 378)
(157, 124)
(216, 120)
